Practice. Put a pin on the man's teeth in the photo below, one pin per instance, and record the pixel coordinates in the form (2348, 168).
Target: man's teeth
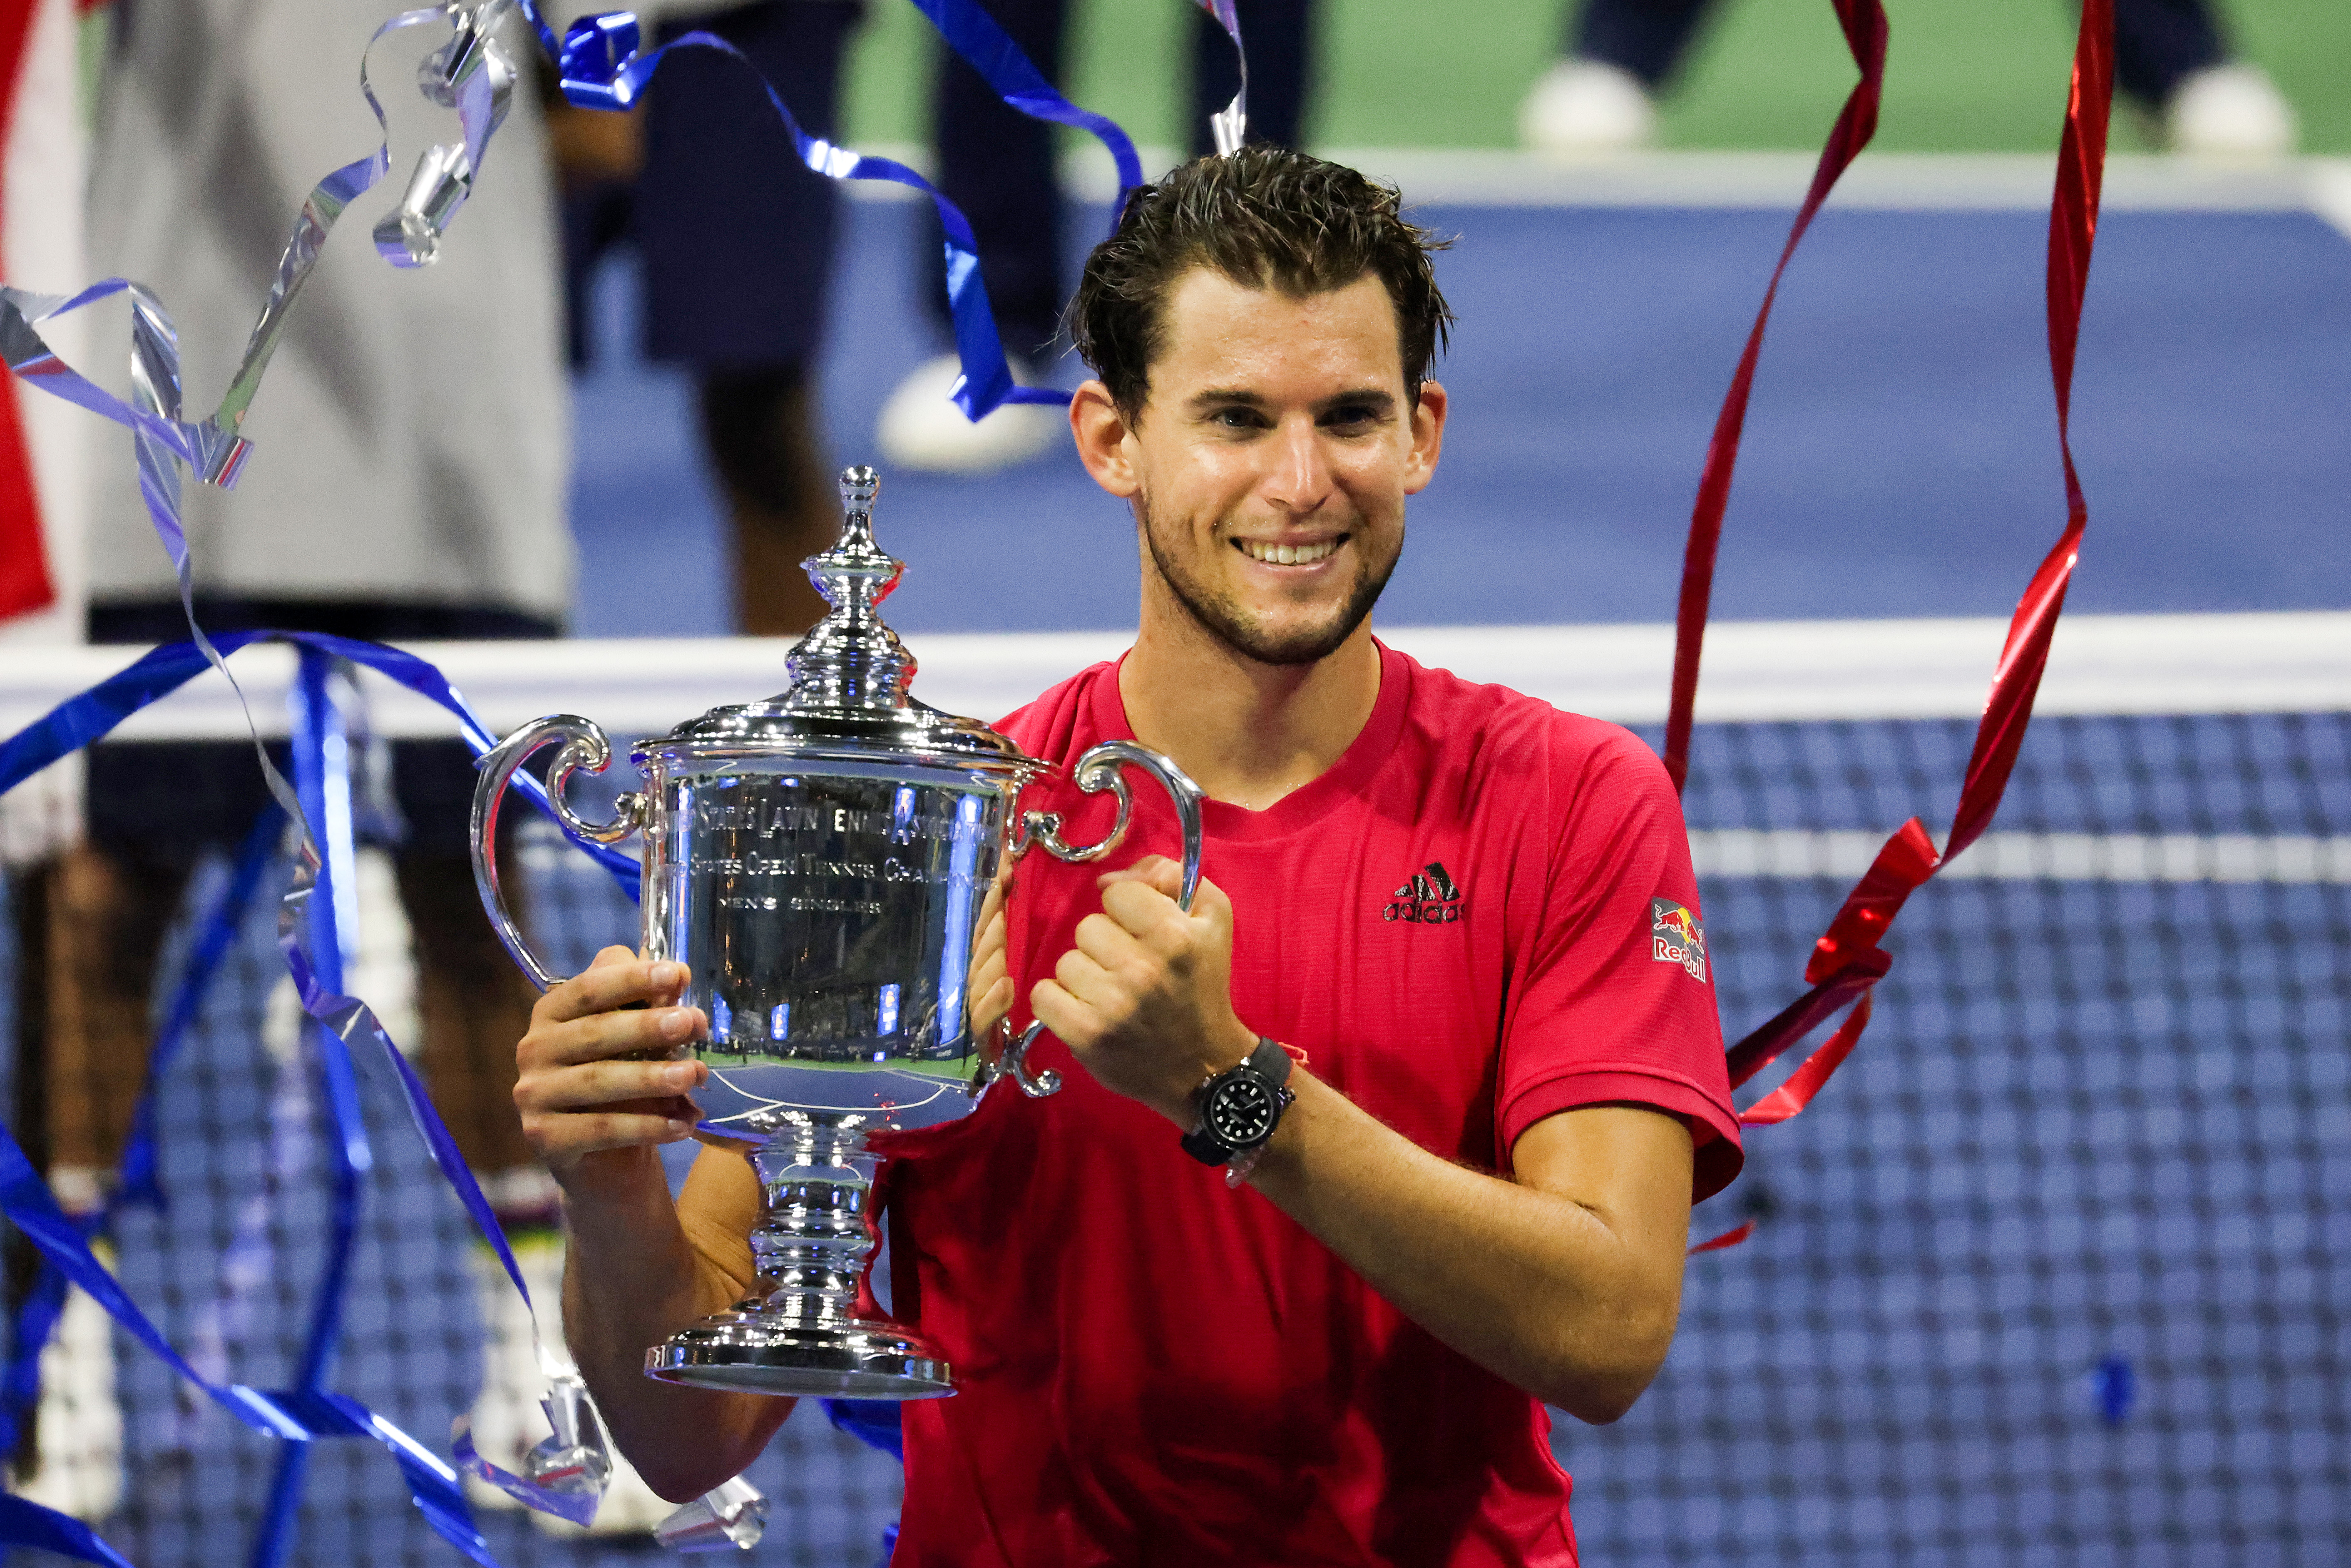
(1287, 555)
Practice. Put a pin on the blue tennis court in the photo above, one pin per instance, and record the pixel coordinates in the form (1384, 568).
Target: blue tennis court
(1900, 460)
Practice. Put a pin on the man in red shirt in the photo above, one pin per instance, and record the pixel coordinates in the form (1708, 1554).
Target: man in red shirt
(1469, 918)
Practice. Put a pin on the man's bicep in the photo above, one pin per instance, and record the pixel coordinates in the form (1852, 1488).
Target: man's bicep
(1630, 1165)
(716, 1209)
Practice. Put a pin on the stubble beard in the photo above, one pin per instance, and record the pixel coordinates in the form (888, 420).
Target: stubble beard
(1232, 625)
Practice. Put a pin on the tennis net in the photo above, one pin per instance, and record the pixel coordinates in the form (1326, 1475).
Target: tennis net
(2049, 1273)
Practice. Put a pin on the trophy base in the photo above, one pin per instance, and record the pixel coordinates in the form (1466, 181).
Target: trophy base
(851, 1358)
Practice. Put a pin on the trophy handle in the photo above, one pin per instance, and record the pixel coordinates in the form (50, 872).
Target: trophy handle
(584, 747)
(1096, 770)
(1013, 1062)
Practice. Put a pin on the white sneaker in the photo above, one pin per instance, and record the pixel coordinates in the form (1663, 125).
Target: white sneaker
(1584, 106)
(506, 1417)
(921, 429)
(78, 1422)
(2230, 110)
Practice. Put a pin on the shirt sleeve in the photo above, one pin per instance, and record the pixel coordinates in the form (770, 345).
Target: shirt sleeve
(1613, 992)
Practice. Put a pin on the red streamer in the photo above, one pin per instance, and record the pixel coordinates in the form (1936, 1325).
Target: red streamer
(1864, 21)
(1730, 1237)
(1797, 1091)
(1849, 960)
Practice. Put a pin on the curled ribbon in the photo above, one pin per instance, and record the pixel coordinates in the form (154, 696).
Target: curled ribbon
(604, 66)
(1849, 960)
(212, 447)
(140, 1185)
(600, 67)
(566, 1477)
(565, 1474)
(472, 75)
(1864, 24)
(301, 1415)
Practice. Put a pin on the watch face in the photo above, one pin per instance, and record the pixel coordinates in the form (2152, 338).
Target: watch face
(1240, 1111)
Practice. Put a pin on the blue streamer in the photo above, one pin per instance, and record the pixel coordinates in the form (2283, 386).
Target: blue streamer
(142, 1183)
(37, 1317)
(294, 1416)
(602, 67)
(988, 49)
(92, 715)
(321, 758)
(88, 717)
(872, 1422)
(26, 1523)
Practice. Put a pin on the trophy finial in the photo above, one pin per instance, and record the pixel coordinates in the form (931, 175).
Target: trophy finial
(859, 485)
(851, 659)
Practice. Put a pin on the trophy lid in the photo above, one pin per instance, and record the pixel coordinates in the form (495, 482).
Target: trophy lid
(848, 699)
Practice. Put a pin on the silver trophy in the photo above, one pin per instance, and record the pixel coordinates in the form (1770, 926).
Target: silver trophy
(818, 862)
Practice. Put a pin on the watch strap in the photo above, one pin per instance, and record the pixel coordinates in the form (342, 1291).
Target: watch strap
(1270, 1062)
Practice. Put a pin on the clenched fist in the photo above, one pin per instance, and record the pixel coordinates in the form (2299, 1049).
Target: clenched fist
(1145, 999)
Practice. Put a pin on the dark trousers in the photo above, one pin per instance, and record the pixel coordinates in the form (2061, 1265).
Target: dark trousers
(736, 234)
(2156, 42)
(997, 165)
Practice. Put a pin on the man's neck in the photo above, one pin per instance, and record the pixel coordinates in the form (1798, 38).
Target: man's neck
(1247, 733)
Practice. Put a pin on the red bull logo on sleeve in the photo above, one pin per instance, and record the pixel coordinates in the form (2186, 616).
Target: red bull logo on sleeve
(1676, 938)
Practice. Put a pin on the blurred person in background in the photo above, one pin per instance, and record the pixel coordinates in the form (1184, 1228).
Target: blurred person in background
(2169, 56)
(737, 235)
(412, 447)
(1000, 168)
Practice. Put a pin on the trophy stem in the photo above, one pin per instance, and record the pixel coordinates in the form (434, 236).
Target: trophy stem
(800, 1332)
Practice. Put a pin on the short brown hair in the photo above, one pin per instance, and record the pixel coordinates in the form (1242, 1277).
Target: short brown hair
(1265, 217)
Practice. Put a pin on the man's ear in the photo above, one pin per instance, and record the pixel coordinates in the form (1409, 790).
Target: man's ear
(1428, 438)
(1101, 434)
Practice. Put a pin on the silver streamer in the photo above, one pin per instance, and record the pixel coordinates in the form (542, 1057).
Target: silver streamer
(1230, 125)
(472, 74)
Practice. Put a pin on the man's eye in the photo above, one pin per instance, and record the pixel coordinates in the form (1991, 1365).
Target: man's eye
(1236, 418)
(1355, 416)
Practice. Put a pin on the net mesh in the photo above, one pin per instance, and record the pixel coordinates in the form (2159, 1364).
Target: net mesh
(2049, 1273)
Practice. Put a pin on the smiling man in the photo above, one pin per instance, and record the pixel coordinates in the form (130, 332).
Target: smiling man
(1387, 1145)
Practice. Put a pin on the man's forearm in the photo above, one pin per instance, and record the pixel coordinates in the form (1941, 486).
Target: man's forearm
(632, 1278)
(1555, 1295)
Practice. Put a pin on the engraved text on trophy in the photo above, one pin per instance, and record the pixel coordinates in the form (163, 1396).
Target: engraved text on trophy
(829, 915)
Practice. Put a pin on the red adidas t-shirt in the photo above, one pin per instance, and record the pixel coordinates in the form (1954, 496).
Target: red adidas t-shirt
(1467, 925)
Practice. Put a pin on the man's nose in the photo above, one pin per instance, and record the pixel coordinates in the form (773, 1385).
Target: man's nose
(1301, 480)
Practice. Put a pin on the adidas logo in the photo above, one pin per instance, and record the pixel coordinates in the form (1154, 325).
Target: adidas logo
(1428, 898)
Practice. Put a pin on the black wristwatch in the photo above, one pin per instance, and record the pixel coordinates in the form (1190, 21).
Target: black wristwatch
(1239, 1109)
